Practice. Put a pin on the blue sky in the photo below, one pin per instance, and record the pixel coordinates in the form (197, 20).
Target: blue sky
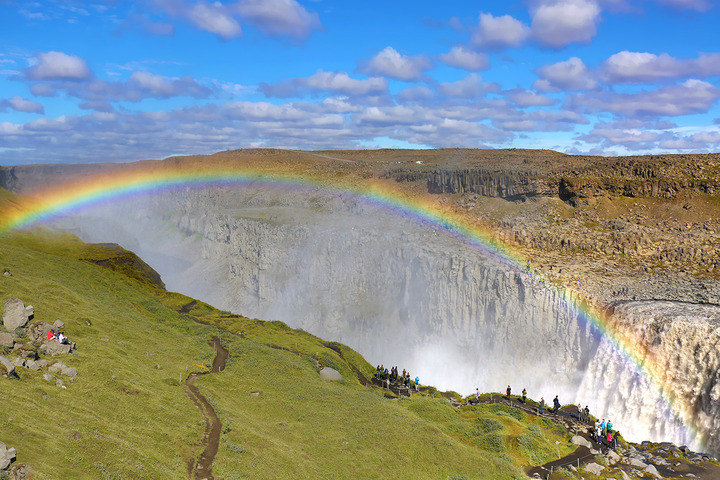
(119, 80)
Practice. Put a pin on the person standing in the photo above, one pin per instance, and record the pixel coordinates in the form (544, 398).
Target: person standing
(556, 405)
(508, 391)
(524, 395)
(417, 384)
(477, 395)
(542, 405)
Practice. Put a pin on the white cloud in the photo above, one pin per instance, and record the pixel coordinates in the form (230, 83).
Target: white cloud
(557, 23)
(20, 104)
(214, 18)
(528, 98)
(58, 66)
(339, 82)
(279, 17)
(462, 57)
(499, 32)
(570, 75)
(639, 67)
(688, 97)
(471, 86)
(390, 63)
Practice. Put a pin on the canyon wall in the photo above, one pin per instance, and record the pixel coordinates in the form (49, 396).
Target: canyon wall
(403, 293)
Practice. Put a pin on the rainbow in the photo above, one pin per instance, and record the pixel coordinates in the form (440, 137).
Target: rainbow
(67, 198)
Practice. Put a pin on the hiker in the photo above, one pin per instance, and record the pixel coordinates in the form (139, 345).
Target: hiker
(603, 427)
(524, 395)
(610, 439)
(598, 433)
(609, 426)
(508, 392)
(587, 413)
(556, 405)
(477, 395)
(62, 338)
(417, 384)
(387, 383)
(50, 334)
(542, 405)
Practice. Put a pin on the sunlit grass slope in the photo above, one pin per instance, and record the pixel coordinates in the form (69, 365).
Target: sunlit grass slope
(126, 415)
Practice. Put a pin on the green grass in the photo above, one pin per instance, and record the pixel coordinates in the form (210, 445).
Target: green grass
(126, 416)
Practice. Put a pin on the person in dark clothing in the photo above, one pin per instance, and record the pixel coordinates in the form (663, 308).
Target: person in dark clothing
(556, 405)
(524, 395)
(508, 392)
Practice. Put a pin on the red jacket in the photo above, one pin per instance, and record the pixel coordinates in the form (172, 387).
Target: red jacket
(50, 335)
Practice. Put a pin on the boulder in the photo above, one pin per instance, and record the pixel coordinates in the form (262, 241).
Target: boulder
(32, 365)
(594, 468)
(16, 314)
(636, 462)
(330, 374)
(39, 330)
(42, 363)
(57, 367)
(6, 367)
(60, 383)
(6, 340)
(53, 347)
(48, 377)
(613, 457)
(18, 362)
(60, 367)
(580, 441)
(650, 469)
(7, 455)
(58, 325)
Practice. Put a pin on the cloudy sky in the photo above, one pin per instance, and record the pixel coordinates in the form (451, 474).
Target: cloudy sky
(118, 80)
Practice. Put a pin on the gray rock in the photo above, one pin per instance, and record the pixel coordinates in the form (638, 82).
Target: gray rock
(636, 462)
(48, 377)
(69, 372)
(53, 347)
(7, 455)
(18, 362)
(57, 367)
(42, 363)
(594, 468)
(330, 374)
(16, 314)
(580, 441)
(58, 325)
(650, 469)
(6, 366)
(6, 340)
(613, 457)
(60, 383)
(625, 476)
(32, 365)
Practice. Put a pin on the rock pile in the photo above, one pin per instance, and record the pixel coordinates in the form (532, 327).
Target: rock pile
(26, 340)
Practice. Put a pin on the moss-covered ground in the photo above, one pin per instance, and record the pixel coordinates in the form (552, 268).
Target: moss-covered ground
(126, 415)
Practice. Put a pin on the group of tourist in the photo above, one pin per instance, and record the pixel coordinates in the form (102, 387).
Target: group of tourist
(393, 376)
(604, 433)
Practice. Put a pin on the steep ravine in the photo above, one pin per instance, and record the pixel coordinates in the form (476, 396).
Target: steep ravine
(404, 294)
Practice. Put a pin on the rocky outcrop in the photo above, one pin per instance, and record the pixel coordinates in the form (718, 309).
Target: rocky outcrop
(16, 314)
(7, 455)
(330, 374)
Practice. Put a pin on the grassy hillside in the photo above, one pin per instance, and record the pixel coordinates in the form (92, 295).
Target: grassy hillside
(126, 415)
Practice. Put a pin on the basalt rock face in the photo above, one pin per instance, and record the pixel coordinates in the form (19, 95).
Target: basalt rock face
(404, 294)
(676, 345)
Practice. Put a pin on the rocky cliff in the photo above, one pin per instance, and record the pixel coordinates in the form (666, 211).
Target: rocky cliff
(404, 294)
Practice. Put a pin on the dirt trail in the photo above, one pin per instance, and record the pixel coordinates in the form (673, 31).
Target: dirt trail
(202, 469)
